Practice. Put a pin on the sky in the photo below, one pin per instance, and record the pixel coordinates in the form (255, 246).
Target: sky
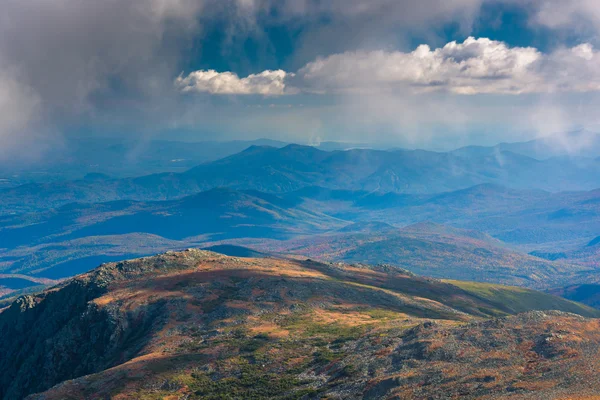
(434, 74)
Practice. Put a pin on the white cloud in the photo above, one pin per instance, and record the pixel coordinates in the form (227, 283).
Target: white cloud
(476, 66)
(561, 13)
(267, 83)
(574, 69)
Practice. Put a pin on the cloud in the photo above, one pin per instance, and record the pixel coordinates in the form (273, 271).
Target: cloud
(560, 13)
(83, 66)
(19, 112)
(267, 83)
(18, 104)
(575, 69)
(476, 66)
(67, 50)
(478, 91)
(322, 27)
(63, 62)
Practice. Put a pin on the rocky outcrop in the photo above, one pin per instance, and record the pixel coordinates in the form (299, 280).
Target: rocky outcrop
(61, 334)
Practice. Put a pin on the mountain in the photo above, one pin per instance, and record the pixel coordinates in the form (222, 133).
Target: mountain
(119, 157)
(218, 211)
(294, 167)
(580, 143)
(332, 146)
(429, 249)
(59, 243)
(587, 293)
(594, 242)
(528, 219)
(202, 325)
(408, 171)
(360, 226)
(588, 255)
(124, 157)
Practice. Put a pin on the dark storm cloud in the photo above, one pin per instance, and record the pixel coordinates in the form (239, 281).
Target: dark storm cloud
(67, 61)
(65, 50)
(57, 58)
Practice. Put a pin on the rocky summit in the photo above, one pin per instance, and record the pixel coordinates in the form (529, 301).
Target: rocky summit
(201, 325)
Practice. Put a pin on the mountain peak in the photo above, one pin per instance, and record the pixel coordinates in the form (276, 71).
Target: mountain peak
(199, 321)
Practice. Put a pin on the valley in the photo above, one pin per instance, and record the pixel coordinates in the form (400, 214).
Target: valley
(485, 233)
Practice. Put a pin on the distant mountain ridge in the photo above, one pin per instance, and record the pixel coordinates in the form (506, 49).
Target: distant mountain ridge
(594, 242)
(122, 157)
(126, 157)
(294, 167)
(580, 143)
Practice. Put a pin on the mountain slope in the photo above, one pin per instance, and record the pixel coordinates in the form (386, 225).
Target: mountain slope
(587, 293)
(432, 250)
(206, 325)
(588, 255)
(60, 243)
(533, 219)
(216, 211)
(122, 157)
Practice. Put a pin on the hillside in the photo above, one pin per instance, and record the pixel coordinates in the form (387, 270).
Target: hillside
(482, 227)
(586, 293)
(429, 249)
(66, 241)
(219, 211)
(532, 219)
(202, 325)
(588, 255)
